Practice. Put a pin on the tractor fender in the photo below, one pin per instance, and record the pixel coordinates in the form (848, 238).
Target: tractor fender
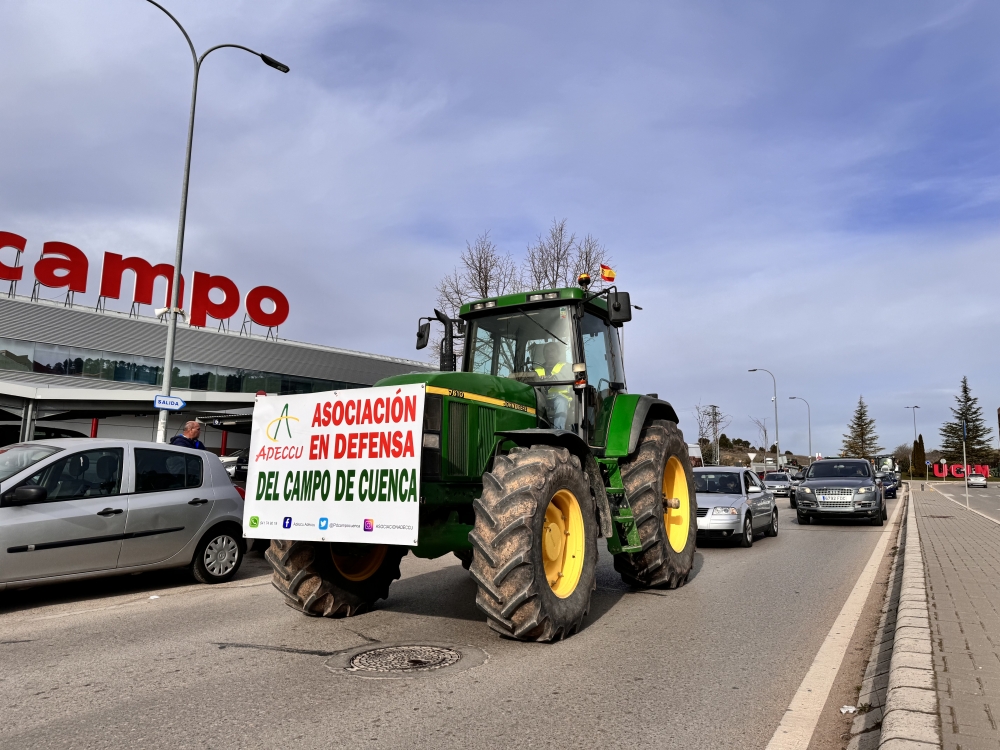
(577, 447)
(646, 409)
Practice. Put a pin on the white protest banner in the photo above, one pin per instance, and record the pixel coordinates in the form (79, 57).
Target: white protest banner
(339, 466)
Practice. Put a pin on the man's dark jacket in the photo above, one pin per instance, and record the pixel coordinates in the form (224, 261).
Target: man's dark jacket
(186, 442)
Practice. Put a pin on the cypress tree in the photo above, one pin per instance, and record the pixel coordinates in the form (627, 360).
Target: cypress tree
(861, 441)
(967, 409)
(919, 456)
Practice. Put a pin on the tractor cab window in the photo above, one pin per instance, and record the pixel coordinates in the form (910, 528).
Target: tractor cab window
(601, 353)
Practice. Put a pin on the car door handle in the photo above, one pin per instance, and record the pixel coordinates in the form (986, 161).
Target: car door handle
(110, 512)
(198, 501)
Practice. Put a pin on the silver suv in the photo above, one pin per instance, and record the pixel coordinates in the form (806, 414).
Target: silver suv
(82, 508)
(841, 488)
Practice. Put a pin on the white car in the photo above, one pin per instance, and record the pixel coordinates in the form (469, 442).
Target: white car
(975, 479)
(83, 508)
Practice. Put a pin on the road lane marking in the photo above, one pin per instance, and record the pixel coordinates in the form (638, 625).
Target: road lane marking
(799, 722)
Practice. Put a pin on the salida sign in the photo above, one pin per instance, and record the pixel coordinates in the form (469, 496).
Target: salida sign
(340, 466)
(64, 266)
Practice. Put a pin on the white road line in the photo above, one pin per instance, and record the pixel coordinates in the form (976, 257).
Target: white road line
(799, 722)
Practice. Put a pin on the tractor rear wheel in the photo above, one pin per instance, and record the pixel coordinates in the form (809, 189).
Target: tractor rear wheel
(659, 469)
(333, 580)
(535, 544)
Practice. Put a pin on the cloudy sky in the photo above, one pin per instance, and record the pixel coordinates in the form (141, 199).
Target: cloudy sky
(810, 188)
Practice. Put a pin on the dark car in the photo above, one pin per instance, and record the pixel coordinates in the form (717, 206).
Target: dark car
(797, 479)
(889, 483)
(840, 488)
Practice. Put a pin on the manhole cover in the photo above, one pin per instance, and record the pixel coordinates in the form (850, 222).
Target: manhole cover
(404, 659)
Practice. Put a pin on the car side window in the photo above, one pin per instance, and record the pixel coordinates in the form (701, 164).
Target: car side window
(161, 471)
(749, 479)
(96, 473)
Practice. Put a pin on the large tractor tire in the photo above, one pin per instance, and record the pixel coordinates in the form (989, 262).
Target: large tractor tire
(333, 580)
(660, 468)
(535, 544)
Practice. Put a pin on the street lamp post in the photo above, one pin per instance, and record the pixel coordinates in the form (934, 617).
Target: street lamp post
(174, 309)
(913, 410)
(810, 424)
(777, 441)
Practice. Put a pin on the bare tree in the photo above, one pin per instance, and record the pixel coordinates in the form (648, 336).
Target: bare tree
(761, 431)
(550, 262)
(590, 255)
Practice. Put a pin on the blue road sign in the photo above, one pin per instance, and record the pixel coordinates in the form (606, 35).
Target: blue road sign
(928, 463)
(170, 403)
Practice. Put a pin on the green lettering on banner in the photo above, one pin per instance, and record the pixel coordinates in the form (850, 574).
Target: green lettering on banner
(362, 479)
(341, 486)
(317, 479)
(350, 485)
(296, 488)
(413, 486)
(381, 484)
(308, 493)
(261, 485)
(392, 493)
(324, 489)
(287, 493)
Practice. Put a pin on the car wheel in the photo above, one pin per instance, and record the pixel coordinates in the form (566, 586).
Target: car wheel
(885, 512)
(772, 527)
(219, 555)
(746, 538)
(803, 519)
(792, 503)
(879, 518)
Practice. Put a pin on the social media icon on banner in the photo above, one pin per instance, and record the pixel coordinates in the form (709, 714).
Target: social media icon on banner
(324, 523)
(287, 523)
(369, 524)
(254, 522)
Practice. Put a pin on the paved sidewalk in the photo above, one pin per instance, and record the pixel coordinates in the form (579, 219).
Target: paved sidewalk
(962, 558)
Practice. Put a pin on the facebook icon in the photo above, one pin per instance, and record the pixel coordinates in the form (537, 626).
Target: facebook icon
(324, 523)
(287, 523)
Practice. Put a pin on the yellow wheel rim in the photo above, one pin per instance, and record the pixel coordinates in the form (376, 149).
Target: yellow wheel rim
(362, 566)
(677, 521)
(563, 544)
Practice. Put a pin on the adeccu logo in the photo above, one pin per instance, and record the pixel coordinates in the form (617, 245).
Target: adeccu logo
(283, 419)
(287, 522)
(369, 524)
(324, 524)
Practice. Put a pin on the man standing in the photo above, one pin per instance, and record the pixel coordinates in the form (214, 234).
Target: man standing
(189, 438)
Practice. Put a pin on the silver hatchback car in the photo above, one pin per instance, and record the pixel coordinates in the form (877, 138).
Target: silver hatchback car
(733, 504)
(82, 508)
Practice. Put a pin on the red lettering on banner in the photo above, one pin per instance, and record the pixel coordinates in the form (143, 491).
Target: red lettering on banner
(253, 305)
(397, 444)
(348, 416)
(378, 415)
(318, 417)
(367, 416)
(384, 438)
(339, 445)
(408, 445)
(337, 415)
(397, 409)
(410, 409)
(352, 445)
(145, 277)
(326, 414)
(16, 241)
(313, 447)
(202, 305)
(72, 261)
(362, 444)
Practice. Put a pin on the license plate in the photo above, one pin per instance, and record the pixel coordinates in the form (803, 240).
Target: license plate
(832, 498)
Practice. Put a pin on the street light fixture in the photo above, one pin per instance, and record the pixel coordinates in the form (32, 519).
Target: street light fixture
(777, 442)
(913, 410)
(173, 311)
(809, 422)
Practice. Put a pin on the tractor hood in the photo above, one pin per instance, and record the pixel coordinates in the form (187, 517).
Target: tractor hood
(458, 383)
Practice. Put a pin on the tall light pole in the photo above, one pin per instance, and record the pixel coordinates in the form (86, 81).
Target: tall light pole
(174, 309)
(777, 442)
(913, 409)
(809, 418)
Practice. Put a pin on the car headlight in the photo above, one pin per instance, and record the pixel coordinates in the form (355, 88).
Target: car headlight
(725, 512)
(863, 490)
(804, 489)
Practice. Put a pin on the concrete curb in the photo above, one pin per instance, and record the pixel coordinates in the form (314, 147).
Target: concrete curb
(910, 717)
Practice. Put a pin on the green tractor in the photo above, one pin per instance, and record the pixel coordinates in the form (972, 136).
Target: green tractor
(530, 453)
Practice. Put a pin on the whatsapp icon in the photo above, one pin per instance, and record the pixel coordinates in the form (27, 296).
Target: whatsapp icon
(254, 522)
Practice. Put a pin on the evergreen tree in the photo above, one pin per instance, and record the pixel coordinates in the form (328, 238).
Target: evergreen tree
(919, 455)
(978, 450)
(861, 440)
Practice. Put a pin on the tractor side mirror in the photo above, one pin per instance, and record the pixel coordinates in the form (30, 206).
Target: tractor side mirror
(619, 308)
(423, 335)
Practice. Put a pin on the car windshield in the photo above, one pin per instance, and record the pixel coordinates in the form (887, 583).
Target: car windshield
(839, 470)
(532, 346)
(776, 478)
(14, 458)
(722, 483)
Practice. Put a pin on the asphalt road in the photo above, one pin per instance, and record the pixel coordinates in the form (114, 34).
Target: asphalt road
(711, 665)
(985, 501)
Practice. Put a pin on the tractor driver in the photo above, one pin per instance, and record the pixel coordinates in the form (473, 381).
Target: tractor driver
(560, 397)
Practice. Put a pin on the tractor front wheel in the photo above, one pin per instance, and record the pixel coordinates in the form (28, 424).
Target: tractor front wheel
(535, 544)
(333, 580)
(659, 469)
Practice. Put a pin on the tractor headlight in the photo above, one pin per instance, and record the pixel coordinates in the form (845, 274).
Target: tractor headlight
(725, 512)
(432, 440)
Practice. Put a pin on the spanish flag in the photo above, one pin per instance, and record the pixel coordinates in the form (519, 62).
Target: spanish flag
(607, 273)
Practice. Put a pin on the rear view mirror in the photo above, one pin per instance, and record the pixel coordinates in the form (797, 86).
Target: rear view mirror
(25, 495)
(619, 308)
(753, 488)
(423, 335)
